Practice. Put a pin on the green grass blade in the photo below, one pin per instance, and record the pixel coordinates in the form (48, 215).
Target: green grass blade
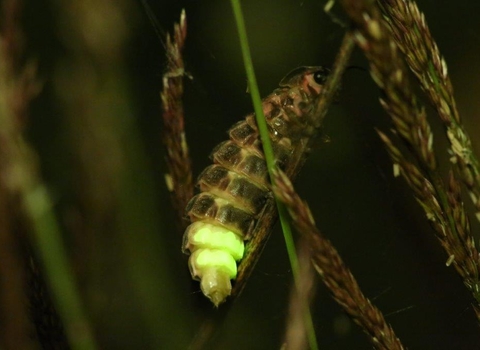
(269, 157)
(57, 268)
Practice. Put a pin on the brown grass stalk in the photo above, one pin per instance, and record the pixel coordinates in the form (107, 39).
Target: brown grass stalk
(390, 74)
(412, 35)
(458, 244)
(333, 271)
(302, 294)
(22, 302)
(255, 247)
(440, 202)
(179, 177)
(331, 87)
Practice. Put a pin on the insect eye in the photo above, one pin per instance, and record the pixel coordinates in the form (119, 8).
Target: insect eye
(320, 77)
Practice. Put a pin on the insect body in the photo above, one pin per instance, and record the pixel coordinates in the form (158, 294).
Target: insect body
(235, 189)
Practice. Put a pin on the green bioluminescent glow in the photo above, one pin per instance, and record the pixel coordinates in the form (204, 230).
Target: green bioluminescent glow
(218, 259)
(216, 237)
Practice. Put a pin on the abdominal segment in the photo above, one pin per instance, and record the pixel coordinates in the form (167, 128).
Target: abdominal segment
(223, 216)
(235, 190)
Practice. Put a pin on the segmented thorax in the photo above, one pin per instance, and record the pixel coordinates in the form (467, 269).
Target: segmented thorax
(235, 189)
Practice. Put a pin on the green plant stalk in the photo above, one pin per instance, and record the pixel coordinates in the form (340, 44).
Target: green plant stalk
(269, 157)
(57, 267)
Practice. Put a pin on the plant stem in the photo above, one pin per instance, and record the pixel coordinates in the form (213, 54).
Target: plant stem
(269, 156)
(57, 267)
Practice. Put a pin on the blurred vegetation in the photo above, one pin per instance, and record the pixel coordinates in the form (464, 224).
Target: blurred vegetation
(96, 128)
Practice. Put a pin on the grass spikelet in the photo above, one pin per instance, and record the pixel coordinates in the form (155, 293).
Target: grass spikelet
(413, 37)
(333, 271)
(179, 177)
(440, 202)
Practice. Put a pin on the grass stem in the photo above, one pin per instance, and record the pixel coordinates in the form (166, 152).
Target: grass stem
(269, 156)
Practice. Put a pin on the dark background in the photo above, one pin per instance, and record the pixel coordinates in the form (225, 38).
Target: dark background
(371, 217)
